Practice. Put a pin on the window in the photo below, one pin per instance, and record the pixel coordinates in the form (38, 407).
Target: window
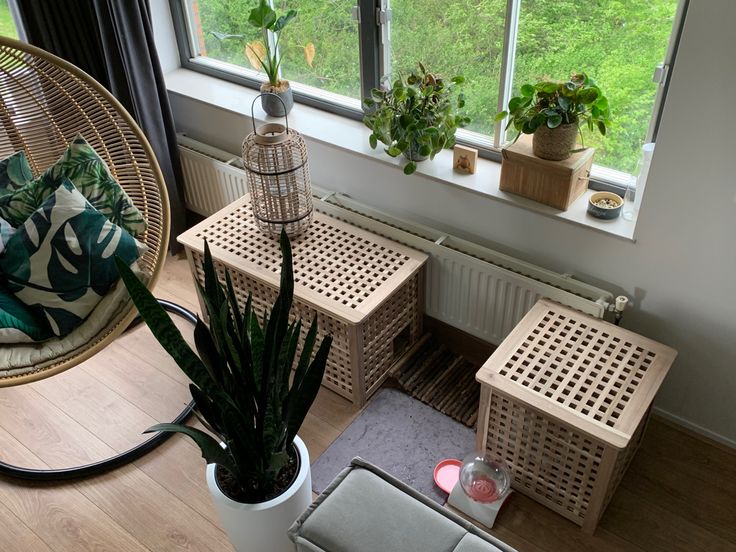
(7, 25)
(498, 45)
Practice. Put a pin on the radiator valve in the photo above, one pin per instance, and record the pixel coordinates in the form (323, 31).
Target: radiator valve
(621, 302)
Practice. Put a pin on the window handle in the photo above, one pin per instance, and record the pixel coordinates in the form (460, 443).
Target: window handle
(660, 73)
(383, 15)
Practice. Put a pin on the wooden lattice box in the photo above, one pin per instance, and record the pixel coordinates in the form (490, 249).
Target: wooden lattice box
(367, 290)
(564, 401)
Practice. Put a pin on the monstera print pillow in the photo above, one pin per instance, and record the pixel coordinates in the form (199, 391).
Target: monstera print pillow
(6, 232)
(15, 172)
(18, 324)
(60, 262)
(90, 175)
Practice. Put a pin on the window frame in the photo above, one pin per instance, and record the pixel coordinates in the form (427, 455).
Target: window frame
(374, 41)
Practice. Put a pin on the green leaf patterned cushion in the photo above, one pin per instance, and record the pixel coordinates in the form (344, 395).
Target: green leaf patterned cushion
(15, 172)
(60, 262)
(6, 232)
(89, 173)
(18, 324)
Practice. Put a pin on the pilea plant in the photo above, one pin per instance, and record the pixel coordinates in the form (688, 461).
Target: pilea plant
(552, 103)
(417, 116)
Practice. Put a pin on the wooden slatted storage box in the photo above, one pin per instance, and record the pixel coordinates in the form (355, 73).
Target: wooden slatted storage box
(554, 183)
(366, 289)
(564, 401)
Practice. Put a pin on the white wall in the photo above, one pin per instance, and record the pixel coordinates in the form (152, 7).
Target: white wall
(680, 272)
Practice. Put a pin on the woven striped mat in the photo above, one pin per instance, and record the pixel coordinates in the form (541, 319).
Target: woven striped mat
(440, 378)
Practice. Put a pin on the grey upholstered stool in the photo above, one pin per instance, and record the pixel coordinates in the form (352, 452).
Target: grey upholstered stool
(366, 510)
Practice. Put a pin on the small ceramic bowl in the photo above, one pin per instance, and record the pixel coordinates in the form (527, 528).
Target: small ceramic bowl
(611, 211)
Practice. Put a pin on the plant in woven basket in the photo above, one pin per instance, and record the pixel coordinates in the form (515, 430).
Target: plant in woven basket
(416, 117)
(558, 110)
(240, 380)
(264, 54)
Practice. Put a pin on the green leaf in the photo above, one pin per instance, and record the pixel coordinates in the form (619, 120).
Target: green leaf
(373, 141)
(284, 20)
(554, 121)
(425, 150)
(211, 450)
(601, 128)
(164, 329)
(262, 16)
(377, 94)
(500, 116)
(458, 79)
(588, 95)
(410, 167)
(393, 151)
(547, 87)
(515, 103)
(208, 352)
(300, 399)
(527, 90)
(538, 120)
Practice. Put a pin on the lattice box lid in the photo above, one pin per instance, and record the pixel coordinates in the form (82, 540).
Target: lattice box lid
(588, 373)
(338, 267)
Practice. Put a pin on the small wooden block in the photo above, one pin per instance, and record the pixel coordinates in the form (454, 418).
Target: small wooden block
(464, 159)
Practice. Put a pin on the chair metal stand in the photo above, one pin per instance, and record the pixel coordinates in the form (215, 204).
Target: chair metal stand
(118, 460)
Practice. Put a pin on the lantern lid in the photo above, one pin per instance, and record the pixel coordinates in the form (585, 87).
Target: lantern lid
(271, 133)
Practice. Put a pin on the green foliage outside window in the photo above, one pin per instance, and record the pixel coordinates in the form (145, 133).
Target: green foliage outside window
(7, 26)
(618, 41)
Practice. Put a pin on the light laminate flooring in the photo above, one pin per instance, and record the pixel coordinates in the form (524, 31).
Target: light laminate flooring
(679, 493)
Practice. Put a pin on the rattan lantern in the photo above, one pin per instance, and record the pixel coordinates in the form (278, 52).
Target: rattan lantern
(275, 160)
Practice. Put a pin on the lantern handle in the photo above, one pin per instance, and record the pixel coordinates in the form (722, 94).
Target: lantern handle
(253, 115)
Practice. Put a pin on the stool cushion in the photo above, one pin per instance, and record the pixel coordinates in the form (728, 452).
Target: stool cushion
(365, 510)
(471, 543)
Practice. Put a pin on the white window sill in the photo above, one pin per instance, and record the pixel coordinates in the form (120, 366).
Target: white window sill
(352, 136)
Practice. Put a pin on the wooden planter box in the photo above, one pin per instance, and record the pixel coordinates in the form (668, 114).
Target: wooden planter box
(366, 290)
(564, 402)
(554, 183)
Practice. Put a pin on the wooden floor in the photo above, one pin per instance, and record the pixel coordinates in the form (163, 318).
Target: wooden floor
(679, 493)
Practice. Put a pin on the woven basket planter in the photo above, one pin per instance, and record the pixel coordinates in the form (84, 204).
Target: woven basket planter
(555, 144)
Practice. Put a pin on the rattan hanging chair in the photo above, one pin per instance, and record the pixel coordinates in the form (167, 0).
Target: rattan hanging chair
(44, 103)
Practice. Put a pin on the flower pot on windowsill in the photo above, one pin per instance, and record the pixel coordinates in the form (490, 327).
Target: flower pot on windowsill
(271, 105)
(413, 154)
(556, 143)
(263, 526)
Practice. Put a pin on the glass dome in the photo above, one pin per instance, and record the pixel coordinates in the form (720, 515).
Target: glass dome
(483, 479)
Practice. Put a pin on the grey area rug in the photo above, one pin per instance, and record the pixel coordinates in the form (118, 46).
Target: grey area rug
(401, 435)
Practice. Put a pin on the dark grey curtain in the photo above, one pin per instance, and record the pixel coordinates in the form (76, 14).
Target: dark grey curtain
(112, 40)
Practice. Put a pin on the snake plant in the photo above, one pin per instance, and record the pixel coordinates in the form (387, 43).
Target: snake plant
(240, 379)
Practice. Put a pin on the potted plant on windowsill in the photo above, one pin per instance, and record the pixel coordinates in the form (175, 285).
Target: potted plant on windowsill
(258, 469)
(416, 117)
(266, 55)
(554, 112)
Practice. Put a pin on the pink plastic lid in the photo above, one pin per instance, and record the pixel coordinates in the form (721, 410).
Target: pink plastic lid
(447, 474)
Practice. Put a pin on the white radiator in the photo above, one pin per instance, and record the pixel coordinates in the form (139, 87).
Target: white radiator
(213, 178)
(470, 287)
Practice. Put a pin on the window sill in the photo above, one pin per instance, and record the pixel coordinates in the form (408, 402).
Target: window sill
(352, 136)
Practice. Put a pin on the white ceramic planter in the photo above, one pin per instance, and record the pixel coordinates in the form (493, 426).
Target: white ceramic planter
(262, 527)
